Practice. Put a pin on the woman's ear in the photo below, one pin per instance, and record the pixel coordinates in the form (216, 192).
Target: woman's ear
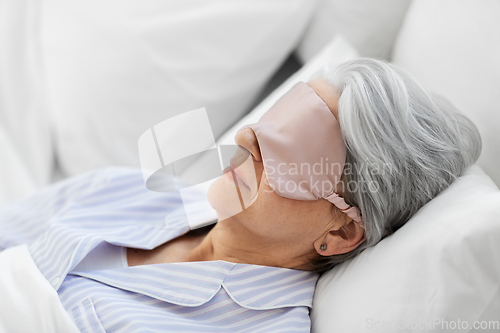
(341, 240)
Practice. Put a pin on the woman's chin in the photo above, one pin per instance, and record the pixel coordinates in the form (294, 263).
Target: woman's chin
(224, 198)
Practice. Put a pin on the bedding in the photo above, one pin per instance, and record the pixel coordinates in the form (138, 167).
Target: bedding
(439, 269)
(452, 47)
(26, 152)
(28, 303)
(116, 68)
(16, 179)
(370, 26)
(79, 83)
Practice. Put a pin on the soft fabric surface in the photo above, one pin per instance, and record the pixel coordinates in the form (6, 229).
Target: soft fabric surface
(15, 177)
(370, 25)
(442, 266)
(80, 83)
(26, 154)
(115, 68)
(28, 302)
(452, 47)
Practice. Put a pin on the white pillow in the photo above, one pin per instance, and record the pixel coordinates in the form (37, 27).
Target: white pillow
(26, 152)
(453, 47)
(337, 51)
(439, 269)
(15, 178)
(370, 25)
(117, 67)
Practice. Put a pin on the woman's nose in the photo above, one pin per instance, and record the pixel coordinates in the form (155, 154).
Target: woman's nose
(247, 139)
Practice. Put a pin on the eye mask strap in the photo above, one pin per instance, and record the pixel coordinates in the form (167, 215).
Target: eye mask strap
(351, 211)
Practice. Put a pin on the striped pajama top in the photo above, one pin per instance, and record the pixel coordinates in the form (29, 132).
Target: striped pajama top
(65, 222)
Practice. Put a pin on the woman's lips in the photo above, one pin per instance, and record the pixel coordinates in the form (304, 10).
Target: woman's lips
(230, 170)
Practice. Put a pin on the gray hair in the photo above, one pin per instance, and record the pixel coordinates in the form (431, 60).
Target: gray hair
(404, 146)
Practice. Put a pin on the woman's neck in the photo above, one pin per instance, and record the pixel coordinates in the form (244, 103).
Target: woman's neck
(230, 241)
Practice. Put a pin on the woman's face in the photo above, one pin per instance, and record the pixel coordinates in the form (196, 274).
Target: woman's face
(265, 213)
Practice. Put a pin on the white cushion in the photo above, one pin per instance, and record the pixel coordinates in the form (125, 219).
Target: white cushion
(338, 50)
(26, 152)
(438, 269)
(29, 303)
(370, 25)
(452, 47)
(15, 178)
(115, 68)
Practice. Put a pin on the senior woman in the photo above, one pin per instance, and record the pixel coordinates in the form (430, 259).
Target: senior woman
(103, 242)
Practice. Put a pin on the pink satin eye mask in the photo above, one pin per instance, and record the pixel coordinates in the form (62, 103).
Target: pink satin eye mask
(302, 148)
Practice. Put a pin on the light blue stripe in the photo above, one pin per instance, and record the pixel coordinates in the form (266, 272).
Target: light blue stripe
(65, 222)
(156, 318)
